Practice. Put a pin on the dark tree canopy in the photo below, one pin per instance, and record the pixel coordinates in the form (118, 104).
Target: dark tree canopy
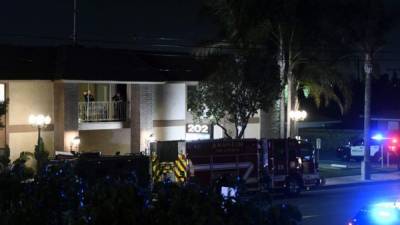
(240, 87)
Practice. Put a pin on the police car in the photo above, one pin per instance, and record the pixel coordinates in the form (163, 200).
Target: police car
(382, 213)
(355, 150)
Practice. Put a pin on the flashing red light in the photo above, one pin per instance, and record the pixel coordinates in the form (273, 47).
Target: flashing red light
(394, 140)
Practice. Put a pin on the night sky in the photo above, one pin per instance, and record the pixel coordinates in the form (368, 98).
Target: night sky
(124, 23)
(107, 20)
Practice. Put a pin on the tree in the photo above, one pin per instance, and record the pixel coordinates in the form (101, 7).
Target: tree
(20, 170)
(287, 29)
(244, 80)
(236, 91)
(297, 34)
(41, 155)
(5, 159)
(325, 82)
(362, 26)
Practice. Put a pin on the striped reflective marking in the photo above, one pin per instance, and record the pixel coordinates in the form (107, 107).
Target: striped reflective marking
(180, 169)
(155, 169)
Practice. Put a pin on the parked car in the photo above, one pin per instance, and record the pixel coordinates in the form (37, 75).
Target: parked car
(354, 150)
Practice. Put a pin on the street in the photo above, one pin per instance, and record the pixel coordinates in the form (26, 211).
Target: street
(337, 205)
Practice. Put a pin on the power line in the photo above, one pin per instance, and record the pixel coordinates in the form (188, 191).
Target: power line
(162, 42)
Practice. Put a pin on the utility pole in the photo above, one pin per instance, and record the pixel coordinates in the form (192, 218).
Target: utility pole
(74, 29)
(365, 166)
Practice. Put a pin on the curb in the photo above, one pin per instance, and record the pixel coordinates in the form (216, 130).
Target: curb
(333, 186)
(339, 166)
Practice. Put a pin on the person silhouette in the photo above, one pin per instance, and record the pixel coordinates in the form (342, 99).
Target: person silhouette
(90, 97)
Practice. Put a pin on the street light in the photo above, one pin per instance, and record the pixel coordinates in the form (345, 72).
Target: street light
(40, 121)
(297, 116)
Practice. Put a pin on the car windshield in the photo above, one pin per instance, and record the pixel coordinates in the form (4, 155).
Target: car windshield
(306, 151)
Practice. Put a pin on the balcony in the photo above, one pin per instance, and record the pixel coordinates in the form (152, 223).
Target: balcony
(103, 111)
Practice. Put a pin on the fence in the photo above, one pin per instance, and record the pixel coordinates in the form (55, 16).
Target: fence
(103, 111)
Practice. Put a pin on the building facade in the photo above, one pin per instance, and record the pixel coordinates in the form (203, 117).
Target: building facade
(106, 100)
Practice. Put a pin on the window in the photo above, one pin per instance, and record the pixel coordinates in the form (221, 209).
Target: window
(306, 151)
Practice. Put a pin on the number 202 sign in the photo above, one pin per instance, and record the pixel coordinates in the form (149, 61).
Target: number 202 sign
(197, 128)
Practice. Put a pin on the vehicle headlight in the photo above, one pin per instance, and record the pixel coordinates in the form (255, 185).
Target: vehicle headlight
(384, 213)
(299, 161)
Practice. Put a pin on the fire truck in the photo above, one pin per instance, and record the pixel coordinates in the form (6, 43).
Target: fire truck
(262, 165)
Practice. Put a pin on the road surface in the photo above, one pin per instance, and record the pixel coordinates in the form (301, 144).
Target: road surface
(335, 206)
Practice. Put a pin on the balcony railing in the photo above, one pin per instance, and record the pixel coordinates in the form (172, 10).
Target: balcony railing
(103, 111)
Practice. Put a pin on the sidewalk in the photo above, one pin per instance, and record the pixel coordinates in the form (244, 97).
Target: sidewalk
(356, 179)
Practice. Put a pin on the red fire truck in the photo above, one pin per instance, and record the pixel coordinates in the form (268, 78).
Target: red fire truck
(285, 164)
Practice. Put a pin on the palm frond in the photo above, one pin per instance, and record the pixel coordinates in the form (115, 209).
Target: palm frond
(212, 49)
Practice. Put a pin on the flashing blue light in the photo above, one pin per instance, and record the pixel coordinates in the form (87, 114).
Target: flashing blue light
(385, 213)
(378, 137)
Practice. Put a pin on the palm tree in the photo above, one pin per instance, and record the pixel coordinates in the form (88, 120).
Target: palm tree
(362, 26)
(295, 32)
(325, 83)
(297, 29)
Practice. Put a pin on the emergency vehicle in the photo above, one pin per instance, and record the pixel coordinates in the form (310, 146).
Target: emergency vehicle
(262, 165)
(387, 213)
(357, 149)
(379, 146)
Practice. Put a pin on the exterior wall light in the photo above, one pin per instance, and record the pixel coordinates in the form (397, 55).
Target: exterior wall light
(75, 142)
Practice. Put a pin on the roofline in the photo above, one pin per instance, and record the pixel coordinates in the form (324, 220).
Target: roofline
(111, 81)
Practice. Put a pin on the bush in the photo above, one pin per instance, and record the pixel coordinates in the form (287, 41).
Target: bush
(179, 205)
(58, 196)
(19, 169)
(112, 202)
(5, 157)
(41, 155)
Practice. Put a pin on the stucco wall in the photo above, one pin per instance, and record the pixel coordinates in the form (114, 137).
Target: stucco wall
(29, 97)
(170, 102)
(26, 98)
(170, 133)
(146, 114)
(252, 131)
(106, 141)
(170, 111)
(26, 141)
